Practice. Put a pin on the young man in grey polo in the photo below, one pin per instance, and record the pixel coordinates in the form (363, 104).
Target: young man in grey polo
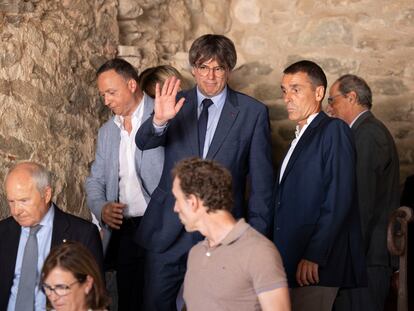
(235, 267)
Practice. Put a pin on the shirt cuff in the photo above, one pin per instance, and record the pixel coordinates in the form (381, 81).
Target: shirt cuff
(158, 130)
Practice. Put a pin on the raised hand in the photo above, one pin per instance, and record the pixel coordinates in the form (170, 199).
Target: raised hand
(166, 107)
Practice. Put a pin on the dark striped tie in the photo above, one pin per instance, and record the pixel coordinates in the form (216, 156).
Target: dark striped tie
(202, 125)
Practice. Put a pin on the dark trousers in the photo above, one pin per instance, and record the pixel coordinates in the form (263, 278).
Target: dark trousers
(313, 298)
(164, 274)
(128, 259)
(370, 298)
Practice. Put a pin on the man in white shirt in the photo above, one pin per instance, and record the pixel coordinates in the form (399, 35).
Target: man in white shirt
(123, 177)
(377, 172)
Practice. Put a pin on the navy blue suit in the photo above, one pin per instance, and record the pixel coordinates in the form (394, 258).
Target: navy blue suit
(317, 214)
(241, 143)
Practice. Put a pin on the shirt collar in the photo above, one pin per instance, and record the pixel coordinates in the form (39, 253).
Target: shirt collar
(239, 228)
(47, 220)
(298, 132)
(356, 118)
(217, 100)
(119, 120)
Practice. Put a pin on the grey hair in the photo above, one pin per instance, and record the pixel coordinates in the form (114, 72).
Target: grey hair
(352, 83)
(39, 173)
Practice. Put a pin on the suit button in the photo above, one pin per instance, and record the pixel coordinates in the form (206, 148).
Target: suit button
(277, 228)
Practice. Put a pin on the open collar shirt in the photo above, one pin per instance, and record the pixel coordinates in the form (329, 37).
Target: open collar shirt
(130, 191)
(298, 134)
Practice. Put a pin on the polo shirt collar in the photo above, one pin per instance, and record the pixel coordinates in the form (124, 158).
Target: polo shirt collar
(239, 228)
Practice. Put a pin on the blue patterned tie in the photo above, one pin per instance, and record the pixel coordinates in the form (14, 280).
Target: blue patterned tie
(202, 125)
(25, 299)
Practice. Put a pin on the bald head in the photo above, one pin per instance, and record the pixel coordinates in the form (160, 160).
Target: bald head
(36, 171)
(28, 192)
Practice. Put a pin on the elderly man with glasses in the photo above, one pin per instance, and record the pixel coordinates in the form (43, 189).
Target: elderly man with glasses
(377, 173)
(209, 121)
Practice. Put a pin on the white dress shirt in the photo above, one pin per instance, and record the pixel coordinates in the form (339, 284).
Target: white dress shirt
(298, 134)
(130, 191)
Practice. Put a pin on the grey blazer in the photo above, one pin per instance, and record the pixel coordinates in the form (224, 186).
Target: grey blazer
(102, 185)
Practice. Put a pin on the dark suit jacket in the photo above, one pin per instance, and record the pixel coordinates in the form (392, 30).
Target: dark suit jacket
(65, 227)
(241, 143)
(316, 214)
(378, 177)
(407, 195)
(407, 199)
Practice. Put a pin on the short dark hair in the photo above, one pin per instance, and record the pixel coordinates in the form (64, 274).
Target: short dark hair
(206, 179)
(313, 70)
(348, 83)
(77, 259)
(121, 67)
(216, 47)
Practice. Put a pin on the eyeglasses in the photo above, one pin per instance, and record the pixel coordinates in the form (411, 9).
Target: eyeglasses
(59, 290)
(331, 98)
(204, 70)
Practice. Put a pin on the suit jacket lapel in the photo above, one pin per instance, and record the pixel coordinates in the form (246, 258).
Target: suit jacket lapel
(303, 141)
(225, 123)
(10, 248)
(189, 122)
(361, 119)
(148, 109)
(114, 141)
(60, 227)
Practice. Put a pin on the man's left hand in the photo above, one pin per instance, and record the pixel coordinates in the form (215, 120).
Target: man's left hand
(307, 273)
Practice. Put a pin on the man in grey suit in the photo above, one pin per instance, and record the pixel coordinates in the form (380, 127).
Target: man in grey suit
(123, 177)
(377, 172)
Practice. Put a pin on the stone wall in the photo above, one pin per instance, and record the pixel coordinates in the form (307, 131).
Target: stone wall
(50, 50)
(370, 38)
(49, 110)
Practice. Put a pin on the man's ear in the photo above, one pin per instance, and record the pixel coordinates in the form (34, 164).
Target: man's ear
(193, 202)
(47, 195)
(319, 93)
(228, 76)
(132, 85)
(193, 71)
(352, 97)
